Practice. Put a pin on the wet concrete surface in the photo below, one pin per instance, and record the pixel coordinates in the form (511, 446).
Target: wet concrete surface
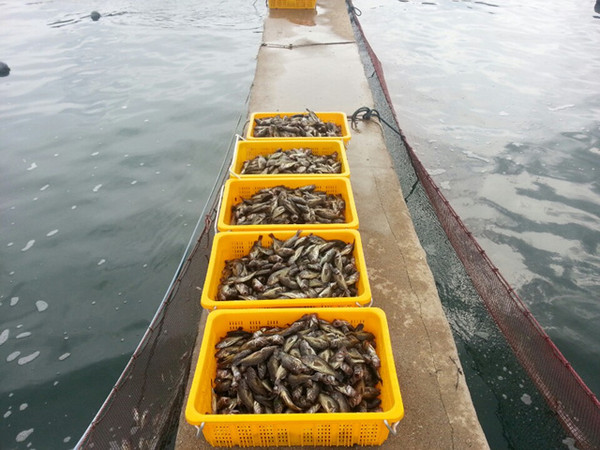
(311, 60)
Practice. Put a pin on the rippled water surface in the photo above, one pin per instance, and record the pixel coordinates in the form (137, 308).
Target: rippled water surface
(112, 133)
(501, 101)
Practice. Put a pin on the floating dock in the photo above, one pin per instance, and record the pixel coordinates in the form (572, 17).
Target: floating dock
(310, 59)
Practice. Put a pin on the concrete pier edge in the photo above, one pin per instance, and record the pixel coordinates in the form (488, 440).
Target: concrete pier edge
(310, 59)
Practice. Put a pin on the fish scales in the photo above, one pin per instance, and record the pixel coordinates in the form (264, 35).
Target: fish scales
(303, 269)
(283, 205)
(270, 379)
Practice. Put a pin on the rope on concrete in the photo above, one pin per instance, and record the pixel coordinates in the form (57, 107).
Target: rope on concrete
(367, 113)
(312, 44)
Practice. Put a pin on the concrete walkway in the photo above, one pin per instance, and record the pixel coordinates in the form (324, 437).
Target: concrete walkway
(322, 71)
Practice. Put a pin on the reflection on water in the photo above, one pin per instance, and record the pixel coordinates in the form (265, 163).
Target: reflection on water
(112, 132)
(555, 233)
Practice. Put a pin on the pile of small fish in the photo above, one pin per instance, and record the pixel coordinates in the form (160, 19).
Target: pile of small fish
(299, 267)
(283, 205)
(311, 366)
(297, 125)
(295, 160)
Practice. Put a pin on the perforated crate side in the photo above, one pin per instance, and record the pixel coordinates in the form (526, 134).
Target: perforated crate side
(292, 4)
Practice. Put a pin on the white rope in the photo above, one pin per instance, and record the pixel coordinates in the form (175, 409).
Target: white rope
(219, 208)
(393, 428)
(199, 429)
(365, 306)
(235, 156)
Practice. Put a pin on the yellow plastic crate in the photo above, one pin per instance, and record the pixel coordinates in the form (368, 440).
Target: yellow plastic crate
(236, 244)
(237, 190)
(292, 4)
(250, 149)
(317, 430)
(339, 118)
